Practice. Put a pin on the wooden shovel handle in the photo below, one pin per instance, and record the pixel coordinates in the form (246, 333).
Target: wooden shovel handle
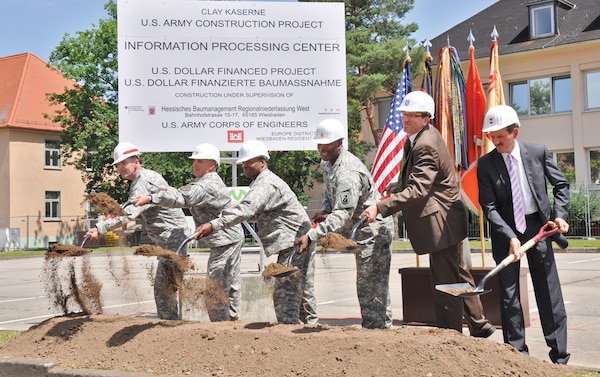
(542, 233)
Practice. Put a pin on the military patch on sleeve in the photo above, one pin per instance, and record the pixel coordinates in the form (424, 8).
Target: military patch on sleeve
(344, 199)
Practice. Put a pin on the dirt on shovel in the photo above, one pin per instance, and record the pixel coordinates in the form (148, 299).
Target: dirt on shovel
(61, 250)
(105, 205)
(334, 240)
(157, 251)
(277, 269)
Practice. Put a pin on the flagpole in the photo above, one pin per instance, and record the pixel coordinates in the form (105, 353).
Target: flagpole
(481, 228)
(471, 39)
(407, 49)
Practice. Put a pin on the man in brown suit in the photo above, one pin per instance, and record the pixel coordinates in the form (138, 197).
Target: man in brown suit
(435, 216)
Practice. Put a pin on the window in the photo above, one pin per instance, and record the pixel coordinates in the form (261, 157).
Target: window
(519, 94)
(592, 90)
(383, 109)
(566, 164)
(541, 21)
(91, 217)
(562, 98)
(595, 166)
(541, 96)
(52, 149)
(90, 156)
(52, 202)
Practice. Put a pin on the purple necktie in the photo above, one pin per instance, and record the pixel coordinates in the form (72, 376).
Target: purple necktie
(517, 195)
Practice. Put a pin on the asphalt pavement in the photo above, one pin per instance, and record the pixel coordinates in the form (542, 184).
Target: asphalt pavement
(127, 291)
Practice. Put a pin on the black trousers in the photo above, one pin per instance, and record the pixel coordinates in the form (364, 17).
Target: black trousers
(548, 294)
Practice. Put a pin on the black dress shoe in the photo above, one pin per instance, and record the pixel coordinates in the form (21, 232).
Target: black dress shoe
(485, 334)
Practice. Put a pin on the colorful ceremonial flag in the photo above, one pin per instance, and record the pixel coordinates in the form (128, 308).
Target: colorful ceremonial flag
(391, 144)
(450, 112)
(495, 95)
(475, 110)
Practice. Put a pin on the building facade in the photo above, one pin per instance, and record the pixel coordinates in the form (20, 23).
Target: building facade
(550, 71)
(41, 198)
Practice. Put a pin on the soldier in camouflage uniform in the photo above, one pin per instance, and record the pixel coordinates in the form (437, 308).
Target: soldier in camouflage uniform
(280, 219)
(349, 189)
(166, 227)
(206, 196)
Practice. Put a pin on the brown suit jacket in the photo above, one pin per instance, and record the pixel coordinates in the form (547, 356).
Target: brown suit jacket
(435, 216)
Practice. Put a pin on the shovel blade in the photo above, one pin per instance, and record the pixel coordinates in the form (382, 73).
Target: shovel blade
(279, 270)
(285, 274)
(461, 289)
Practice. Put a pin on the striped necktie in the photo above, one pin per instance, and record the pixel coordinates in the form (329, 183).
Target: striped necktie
(407, 147)
(517, 195)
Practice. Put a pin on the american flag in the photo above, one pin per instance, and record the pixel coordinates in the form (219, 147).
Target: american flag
(389, 153)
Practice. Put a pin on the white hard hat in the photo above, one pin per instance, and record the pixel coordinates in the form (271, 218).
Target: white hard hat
(329, 131)
(206, 151)
(499, 117)
(123, 151)
(418, 102)
(251, 149)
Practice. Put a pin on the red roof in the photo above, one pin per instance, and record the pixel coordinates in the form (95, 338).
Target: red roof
(25, 80)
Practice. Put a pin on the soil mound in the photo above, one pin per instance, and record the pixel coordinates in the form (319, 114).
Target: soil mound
(146, 345)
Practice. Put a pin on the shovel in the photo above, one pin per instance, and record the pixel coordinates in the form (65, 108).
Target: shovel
(347, 243)
(466, 289)
(85, 239)
(128, 202)
(279, 270)
(190, 238)
(360, 223)
(335, 241)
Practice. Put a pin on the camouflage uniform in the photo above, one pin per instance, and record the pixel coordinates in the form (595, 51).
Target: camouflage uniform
(281, 219)
(349, 190)
(166, 227)
(207, 196)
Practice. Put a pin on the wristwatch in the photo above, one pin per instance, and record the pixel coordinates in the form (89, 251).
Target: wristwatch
(151, 198)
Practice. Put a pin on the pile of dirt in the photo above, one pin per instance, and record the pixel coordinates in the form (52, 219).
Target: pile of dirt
(105, 205)
(146, 345)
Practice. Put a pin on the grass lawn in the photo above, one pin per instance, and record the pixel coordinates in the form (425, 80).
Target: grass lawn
(397, 245)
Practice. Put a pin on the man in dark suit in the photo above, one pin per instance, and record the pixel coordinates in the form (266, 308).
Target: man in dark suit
(512, 226)
(435, 216)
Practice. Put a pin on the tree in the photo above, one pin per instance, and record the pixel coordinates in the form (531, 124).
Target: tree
(90, 116)
(375, 42)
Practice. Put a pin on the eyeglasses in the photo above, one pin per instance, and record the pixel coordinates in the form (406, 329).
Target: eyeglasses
(412, 115)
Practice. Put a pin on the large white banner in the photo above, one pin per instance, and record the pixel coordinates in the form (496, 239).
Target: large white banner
(224, 72)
